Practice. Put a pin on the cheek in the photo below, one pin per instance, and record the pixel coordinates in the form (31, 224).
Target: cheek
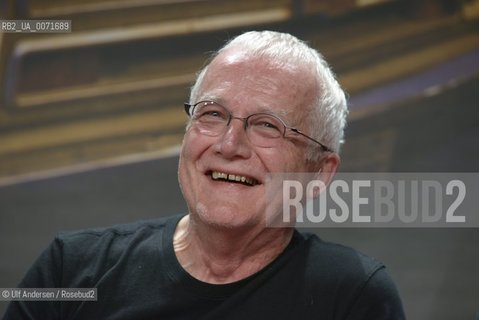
(193, 146)
(187, 156)
(286, 159)
(183, 176)
(188, 174)
(193, 151)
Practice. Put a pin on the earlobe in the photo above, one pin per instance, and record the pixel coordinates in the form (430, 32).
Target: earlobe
(315, 186)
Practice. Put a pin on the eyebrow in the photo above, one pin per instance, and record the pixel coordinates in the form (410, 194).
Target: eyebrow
(261, 108)
(210, 97)
(279, 112)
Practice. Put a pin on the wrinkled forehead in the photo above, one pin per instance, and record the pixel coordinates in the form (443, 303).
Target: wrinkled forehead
(238, 74)
(247, 61)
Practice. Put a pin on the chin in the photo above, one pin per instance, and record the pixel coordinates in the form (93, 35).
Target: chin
(226, 217)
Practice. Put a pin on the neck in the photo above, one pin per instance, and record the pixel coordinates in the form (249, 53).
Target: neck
(221, 255)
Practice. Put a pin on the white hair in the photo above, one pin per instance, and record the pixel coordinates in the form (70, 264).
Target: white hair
(329, 109)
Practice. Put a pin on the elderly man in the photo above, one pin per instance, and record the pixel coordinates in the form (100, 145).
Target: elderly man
(266, 103)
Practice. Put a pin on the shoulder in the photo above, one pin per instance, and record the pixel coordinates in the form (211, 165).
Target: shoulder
(359, 282)
(117, 233)
(338, 259)
(90, 253)
(112, 240)
(80, 258)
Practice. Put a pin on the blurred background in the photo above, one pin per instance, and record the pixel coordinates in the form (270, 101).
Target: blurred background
(91, 121)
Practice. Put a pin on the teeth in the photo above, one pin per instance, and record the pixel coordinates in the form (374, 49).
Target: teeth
(219, 175)
(231, 177)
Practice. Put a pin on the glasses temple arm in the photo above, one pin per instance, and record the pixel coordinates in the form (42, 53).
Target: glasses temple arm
(312, 139)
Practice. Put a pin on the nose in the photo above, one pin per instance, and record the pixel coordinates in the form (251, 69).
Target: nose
(234, 142)
(244, 120)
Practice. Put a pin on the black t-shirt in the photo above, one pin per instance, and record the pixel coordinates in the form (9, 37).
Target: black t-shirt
(137, 276)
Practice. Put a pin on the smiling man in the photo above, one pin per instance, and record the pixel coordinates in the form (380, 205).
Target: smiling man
(266, 103)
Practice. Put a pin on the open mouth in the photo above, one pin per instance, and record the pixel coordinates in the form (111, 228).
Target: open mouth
(248, 181)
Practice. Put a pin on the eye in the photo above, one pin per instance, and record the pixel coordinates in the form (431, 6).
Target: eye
(266, 125)
(210, 111)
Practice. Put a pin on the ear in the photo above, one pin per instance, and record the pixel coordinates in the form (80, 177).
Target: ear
(329, 165)
(324, 171)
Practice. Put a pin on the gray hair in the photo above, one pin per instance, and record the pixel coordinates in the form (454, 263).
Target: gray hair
(329, 109)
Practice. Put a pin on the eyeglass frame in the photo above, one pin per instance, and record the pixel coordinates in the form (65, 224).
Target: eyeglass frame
(190, 107)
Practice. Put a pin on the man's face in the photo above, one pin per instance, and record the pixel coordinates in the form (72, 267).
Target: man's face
(243, 85)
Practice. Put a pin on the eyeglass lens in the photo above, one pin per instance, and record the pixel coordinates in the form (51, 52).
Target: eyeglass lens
(262, 129)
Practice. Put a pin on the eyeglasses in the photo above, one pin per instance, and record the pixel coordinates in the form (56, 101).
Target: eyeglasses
(262, 129)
